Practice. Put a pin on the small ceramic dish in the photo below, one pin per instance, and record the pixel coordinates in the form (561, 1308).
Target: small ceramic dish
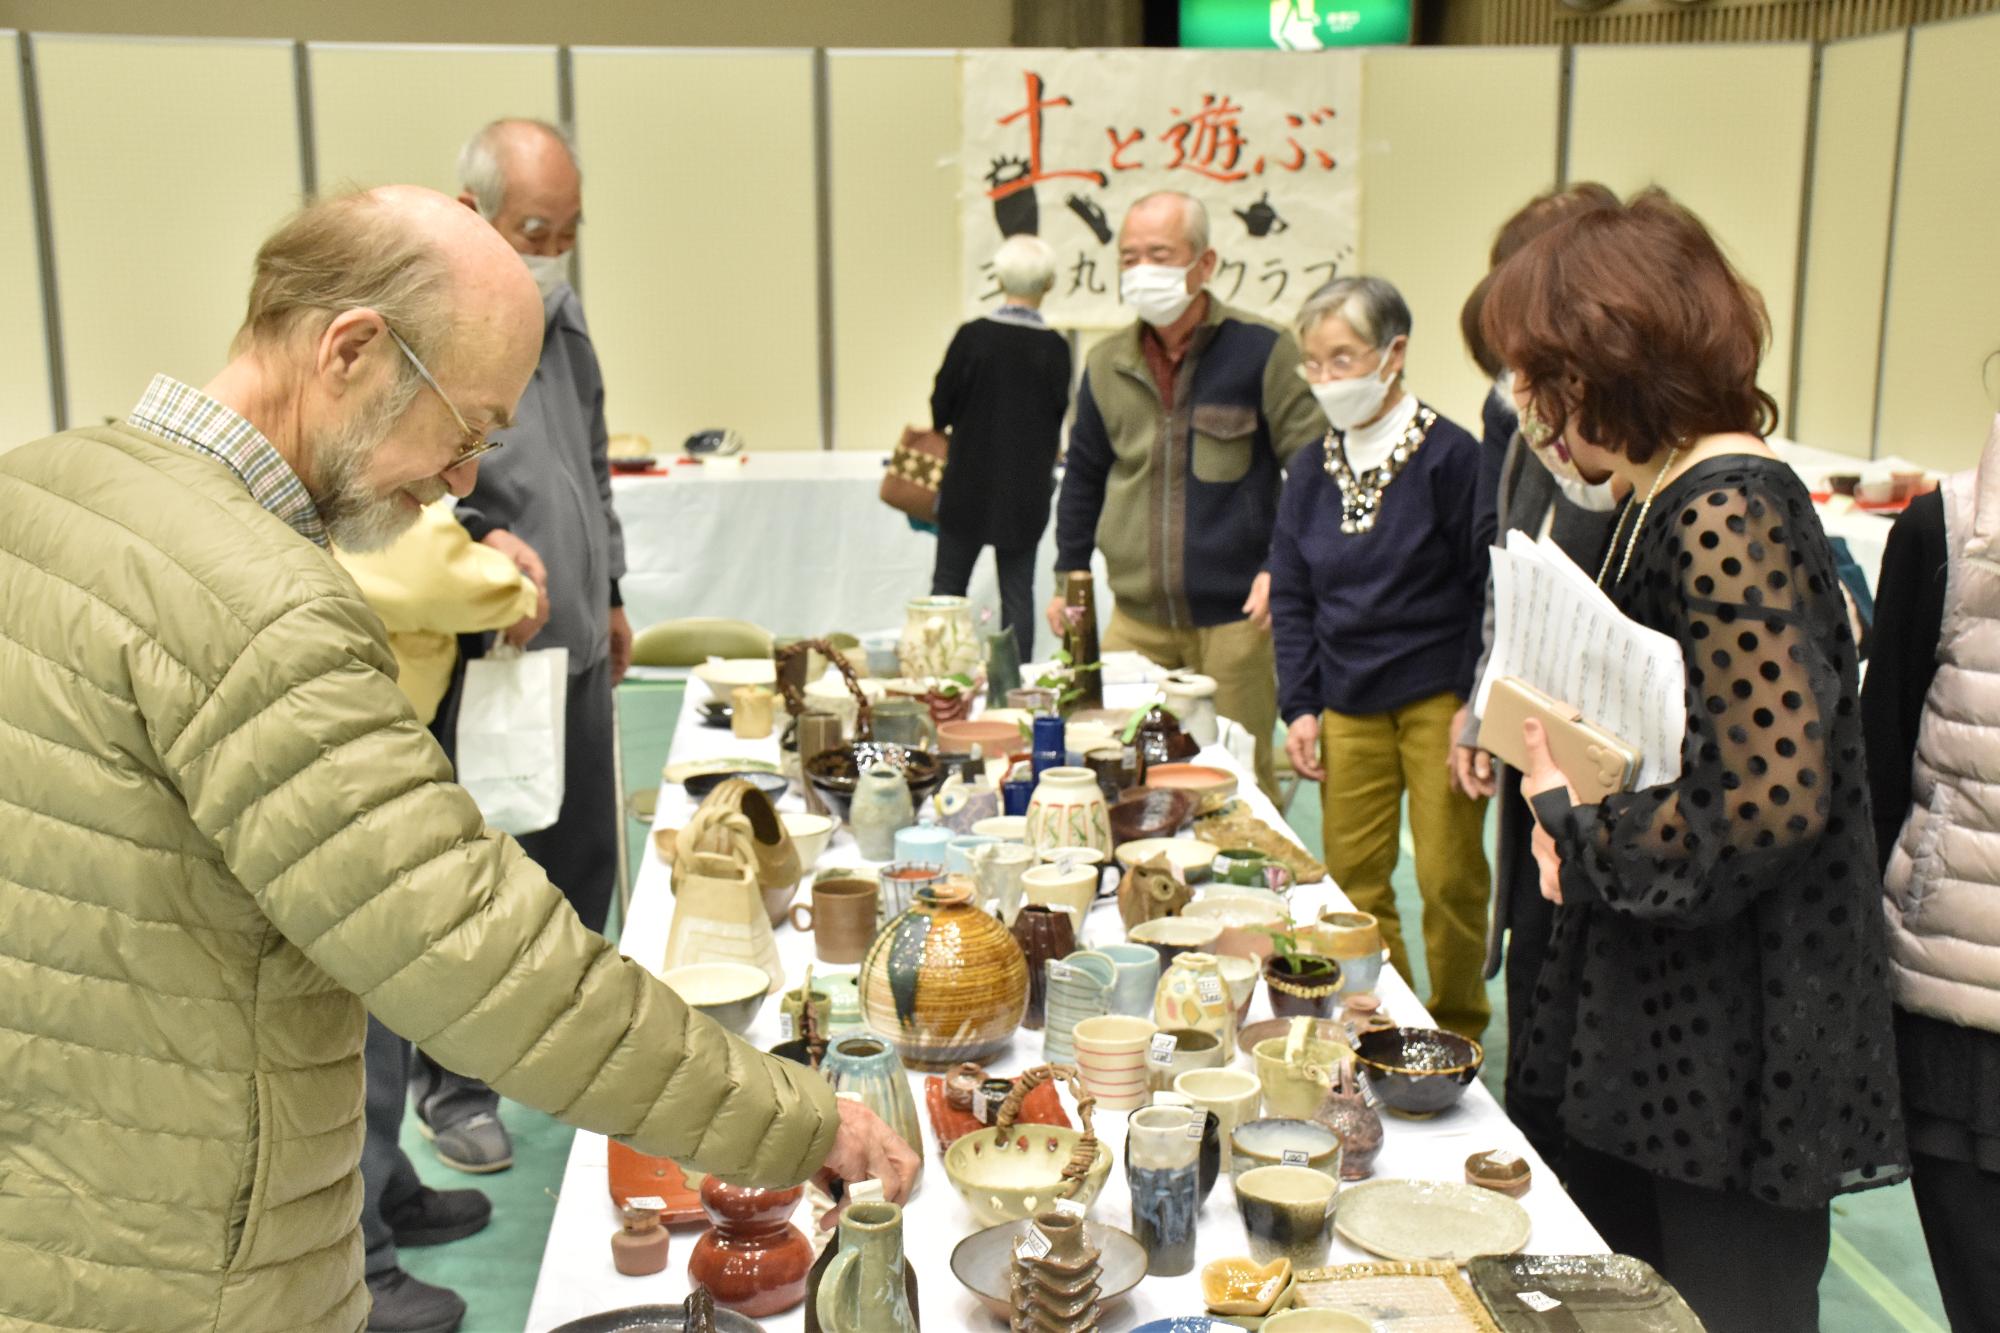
(1191, 856)
(1279, 1141)
(1243, 1286)
(1418, 1071)
(1503, 1172)
(1423, 1220)
(729, 993)
(726, 674)
(984, 1262)
(728, 766)
(992, 738)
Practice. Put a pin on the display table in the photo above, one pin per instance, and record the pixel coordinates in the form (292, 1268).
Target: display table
(577, 1277)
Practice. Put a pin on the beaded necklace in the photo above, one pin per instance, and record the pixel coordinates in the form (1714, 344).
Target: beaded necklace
(1361, 495)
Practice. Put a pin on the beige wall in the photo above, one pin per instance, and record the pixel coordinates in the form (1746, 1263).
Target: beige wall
(1453, 141)
(700, 257)
(1847, 246)
(24, 384)
(154, 227)
(894, 154)
(1724, 129)
(1938, 392)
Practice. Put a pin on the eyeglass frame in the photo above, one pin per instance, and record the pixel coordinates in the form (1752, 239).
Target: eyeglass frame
(479, 445)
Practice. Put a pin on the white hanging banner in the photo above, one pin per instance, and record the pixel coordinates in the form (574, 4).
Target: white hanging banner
(1060, 143)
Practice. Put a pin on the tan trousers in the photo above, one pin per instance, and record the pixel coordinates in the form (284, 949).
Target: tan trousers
(1371, 761)
(1238, 655)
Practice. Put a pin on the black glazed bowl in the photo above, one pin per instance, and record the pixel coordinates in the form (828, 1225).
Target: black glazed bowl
(1418, 1071)
(833, 773)
(772, 785)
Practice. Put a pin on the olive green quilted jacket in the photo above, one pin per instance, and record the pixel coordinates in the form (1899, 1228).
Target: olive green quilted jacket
(219, 825)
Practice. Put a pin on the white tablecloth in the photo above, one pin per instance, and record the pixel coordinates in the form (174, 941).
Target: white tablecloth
(577, 1277)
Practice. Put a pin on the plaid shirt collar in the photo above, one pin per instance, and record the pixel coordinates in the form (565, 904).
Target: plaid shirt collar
(187, 416)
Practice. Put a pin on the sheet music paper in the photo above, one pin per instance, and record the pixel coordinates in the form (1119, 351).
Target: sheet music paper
(1557, 630)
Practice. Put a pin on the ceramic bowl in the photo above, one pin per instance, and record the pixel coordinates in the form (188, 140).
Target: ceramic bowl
(1318, 1319)
(1878, 492)
(1200, 779)
(1150, 812)
(1246, 923)
(729, 993)
(984, 1262)
(1267, 1142)
(700, 785)
(1239, 1286)
(809, 832)
(1173, 936)
(726, 674)
(1418, 1071)
(1190, 855)
(1288, 1211)
(992, 738)
(1073, 890)
(1239, 978)
(655, 1319)
(1006, 828)
(1022, 1175)
(1193, 1049)
(833, 773)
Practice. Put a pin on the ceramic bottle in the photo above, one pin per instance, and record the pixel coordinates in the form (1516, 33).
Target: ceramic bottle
(1347, 1113)
(753, 1259)
(1003, 667)
(719, 916)
(1043, 932)
(639, 1247)
(1054, 1278)
(1080, 640)
(944, 982)
(881, 806)
(866, 1066)
(1192, 995)
(1192, 700)
(1162, 1171)
(864, 1289)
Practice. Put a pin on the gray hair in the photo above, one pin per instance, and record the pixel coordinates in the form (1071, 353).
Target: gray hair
(1025, 265)
(1372, 307)
(482, 164)
(1194, 217)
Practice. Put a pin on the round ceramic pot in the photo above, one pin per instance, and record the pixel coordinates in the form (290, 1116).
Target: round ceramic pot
(865, 1065)
(1192, 995)
(1068, 810)
(1354, 940)
(1111, 1058)
(1314, 996)
(944, 982)
(1073, 889)
(938, 638)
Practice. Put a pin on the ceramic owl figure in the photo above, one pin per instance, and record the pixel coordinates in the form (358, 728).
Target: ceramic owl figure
(1150, 890)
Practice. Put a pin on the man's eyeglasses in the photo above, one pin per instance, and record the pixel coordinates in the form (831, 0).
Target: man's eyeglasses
(475, 444)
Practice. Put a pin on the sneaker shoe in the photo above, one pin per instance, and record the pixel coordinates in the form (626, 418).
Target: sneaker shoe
(478, 1144)
(433, 1217)
(404, 1305)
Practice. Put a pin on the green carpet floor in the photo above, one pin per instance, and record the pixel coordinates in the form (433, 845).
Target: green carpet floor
(1878, 1279)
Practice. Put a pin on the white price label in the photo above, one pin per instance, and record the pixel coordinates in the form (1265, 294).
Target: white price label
(1504, 1157)
(1161, 1052)
(1538, 1301)
(982, 1108)
(1295, 1157)
(1069, 1206)
(650, 1202)
(1060, 971)
(1034, 1245)
(785, 1026)
(1199, 1125)
(1367, 1086)
(1211, 990)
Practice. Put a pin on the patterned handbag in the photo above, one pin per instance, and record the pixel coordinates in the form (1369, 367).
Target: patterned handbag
(915, 472)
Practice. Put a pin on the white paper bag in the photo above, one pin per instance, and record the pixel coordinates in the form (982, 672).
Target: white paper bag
(510, 736)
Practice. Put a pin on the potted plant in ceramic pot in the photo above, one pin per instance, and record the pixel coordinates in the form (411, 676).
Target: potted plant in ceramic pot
(1300, 983)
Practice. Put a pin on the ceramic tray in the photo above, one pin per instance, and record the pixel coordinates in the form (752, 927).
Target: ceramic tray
(653, 1319)
(1430, 1219)
(693, 768)
(1579, 1293)
(1400, 1298)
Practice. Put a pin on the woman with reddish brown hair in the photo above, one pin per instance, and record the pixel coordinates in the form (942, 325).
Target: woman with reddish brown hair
(1713, 1012)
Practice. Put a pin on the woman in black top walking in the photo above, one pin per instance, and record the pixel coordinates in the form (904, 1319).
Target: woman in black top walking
(1714, 1009)
(1001, 395)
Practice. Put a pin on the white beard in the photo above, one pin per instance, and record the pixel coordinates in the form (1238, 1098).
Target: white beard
(357, 519)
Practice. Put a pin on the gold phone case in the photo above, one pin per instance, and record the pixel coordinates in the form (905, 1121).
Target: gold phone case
(1597, 763)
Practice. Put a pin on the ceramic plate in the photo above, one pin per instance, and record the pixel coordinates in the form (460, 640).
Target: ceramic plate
(1430, 1220)
(1198, 778)
(1397, 1296)
(694, 768)
(984, 1260)
(1191, 855)
(653, 1319)
(1589, 1290)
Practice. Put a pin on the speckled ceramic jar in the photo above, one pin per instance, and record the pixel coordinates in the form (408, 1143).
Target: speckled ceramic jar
(944, 982)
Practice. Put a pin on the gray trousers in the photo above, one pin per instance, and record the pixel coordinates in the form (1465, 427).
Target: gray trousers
(387, 1178)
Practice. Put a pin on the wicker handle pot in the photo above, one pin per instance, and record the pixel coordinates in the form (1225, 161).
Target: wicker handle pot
(795, 703)
(1085, 1155)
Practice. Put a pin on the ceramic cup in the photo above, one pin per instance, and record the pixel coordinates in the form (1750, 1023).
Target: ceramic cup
(1283, 1142)
(1192, 1049)
(1163, 1177)
(810, 833)
(1354, 940)
(1137, 977)
(997, 869)
(1211, 1137)
(902, 722)
(750, 712)
(792, 1004)
(1003, 828)
(1172, 936)
(1239, 978)
(1075, 993)
(1231, 1094)
(958, 852)
(924, 843)
(1111, 1057)
(1288, 1211)
(842, 917)
(900, 882)
(1296, 1088)
(1072, 889)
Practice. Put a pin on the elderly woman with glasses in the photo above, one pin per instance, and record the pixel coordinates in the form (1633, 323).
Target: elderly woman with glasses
(1378, 578)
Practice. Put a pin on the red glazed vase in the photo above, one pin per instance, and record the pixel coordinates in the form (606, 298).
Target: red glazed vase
(753, 1260)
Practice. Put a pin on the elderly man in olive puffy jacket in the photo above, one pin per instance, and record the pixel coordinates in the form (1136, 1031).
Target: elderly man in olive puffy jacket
(220, 822)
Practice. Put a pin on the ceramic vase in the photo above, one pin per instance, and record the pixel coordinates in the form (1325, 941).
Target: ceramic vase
(881, 807)
(1067, 810)
(1162, 1171)
(1347, 1113)
(866, 1286)
(719, 917)
(752, 1260)
(1192, 699)
(866, 1065)
(1003, 666)
(1056, 1289)
(998, 870)
(944, 982)
(1043, 933)
(1354, 940)
(1192, 995)
(938, 638)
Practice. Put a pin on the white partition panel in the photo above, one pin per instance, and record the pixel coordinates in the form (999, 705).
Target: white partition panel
(25, 413)
(168, 161)
(701, 263)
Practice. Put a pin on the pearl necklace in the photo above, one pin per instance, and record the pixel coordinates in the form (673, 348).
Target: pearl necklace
(1659, 480)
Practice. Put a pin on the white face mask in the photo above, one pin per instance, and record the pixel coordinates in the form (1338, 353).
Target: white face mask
(1158, 292)
(1551, 453)
(551, 272)
(1348, 403)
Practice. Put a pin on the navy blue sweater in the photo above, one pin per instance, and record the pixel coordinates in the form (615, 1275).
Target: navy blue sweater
(1372, 621)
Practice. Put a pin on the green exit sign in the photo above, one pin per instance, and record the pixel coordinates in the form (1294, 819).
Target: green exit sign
(1295, 25)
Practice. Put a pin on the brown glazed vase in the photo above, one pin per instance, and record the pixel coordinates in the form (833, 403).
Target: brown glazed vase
(944, 982)
(1043, 932)
(753, 1259)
